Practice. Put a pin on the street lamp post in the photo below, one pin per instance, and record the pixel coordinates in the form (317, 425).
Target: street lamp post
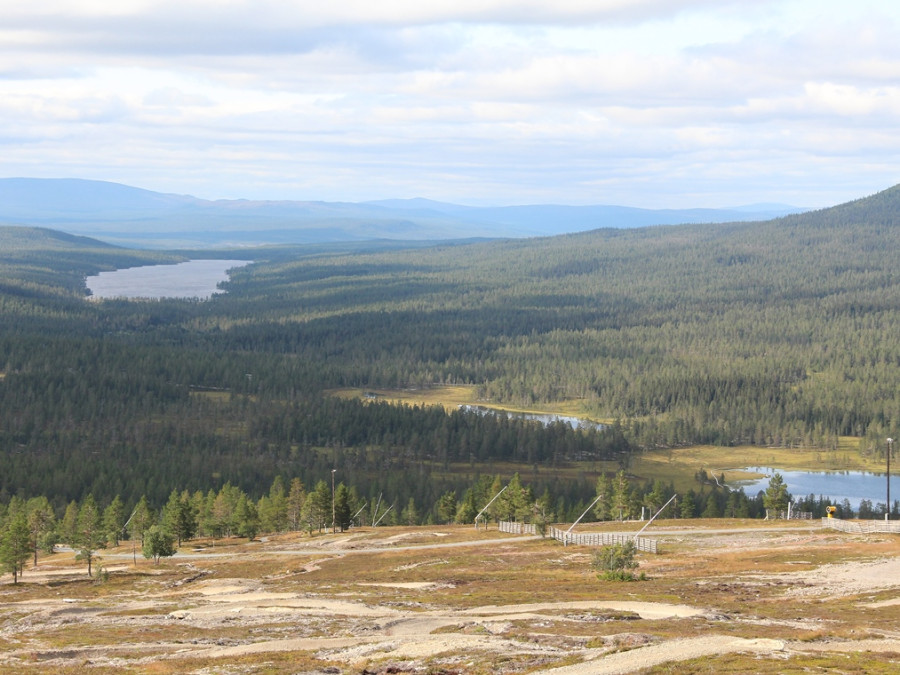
(333, 519)
(887, 510)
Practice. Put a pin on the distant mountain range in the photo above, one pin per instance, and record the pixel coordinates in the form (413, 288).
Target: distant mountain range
(132, 216)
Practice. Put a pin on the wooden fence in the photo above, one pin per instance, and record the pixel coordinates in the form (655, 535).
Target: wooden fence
(517, 528)
(862, 527)
(583, 539)
(792, 515)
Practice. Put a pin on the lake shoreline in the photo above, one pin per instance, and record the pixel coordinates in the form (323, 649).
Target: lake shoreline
(190, 280)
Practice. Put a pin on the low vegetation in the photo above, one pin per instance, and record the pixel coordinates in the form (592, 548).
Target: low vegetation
(457, 599)
(616, 562)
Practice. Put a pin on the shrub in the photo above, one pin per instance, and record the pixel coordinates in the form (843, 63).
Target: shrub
(615, 562)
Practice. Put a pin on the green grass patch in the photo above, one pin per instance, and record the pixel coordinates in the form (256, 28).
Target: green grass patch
(451, 397)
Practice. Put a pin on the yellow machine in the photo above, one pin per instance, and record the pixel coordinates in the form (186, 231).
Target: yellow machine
(830, 511)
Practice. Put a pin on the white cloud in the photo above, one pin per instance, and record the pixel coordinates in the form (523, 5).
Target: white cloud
(500, 101)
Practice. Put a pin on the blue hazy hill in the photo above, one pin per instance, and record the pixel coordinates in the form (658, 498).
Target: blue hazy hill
(130, 215)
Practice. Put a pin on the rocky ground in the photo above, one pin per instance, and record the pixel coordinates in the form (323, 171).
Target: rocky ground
(783, 598)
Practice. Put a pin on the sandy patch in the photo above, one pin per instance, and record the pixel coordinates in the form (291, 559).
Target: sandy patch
(843, 579)
(883, 603)
(672, 650)
(414, 585)
(876, 646)
(646, 610)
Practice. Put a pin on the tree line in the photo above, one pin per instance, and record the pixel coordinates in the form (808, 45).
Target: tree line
(33, 526)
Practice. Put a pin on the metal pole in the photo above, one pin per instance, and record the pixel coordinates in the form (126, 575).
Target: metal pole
(488, 504)
(599, 497)
(333, 519)
(358, 512)
(654, 516)
(566, 533)
(133, 546)
(377, 505)
(383, 515)
(887, 509)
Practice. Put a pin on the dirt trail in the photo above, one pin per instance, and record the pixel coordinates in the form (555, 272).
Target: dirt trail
(671, 650)
(711, 645)
(411, 634)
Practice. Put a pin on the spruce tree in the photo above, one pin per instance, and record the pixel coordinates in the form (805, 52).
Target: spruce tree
(296, 498)
(342, 512)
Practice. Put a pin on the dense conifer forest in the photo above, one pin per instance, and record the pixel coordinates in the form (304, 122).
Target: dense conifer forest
(782, 333)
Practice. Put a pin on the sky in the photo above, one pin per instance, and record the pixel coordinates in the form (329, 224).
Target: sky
(647, 103)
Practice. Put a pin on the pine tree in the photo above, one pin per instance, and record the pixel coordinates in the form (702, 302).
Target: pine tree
(410, 515)
(466, 510)
(542, 514)
(141, 519)
(15, 545)
(621, 498)
(342, 512)
(113, 520)
(515, 502)
(206, 526)
(178, 516)
(246, 518)
(776, 497)
(157, 544)
(602, 509)
(221, 522)
(320, 504)
(40, 522)
(446, 507)
(712, 507)
(68, 526)
(656, 497)
(317, 507)
(90, 534)
(496, 509)
(273, 509)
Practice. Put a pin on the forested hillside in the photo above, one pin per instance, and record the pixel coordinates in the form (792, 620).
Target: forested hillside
(785, 332)
(777, 333)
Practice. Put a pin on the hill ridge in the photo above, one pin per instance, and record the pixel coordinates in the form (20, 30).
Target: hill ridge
(135, 216)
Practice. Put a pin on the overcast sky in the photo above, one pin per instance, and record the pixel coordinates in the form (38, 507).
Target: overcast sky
(652, 103)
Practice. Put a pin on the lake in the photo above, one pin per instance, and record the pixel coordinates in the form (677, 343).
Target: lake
(838, 485)
(193, 279)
